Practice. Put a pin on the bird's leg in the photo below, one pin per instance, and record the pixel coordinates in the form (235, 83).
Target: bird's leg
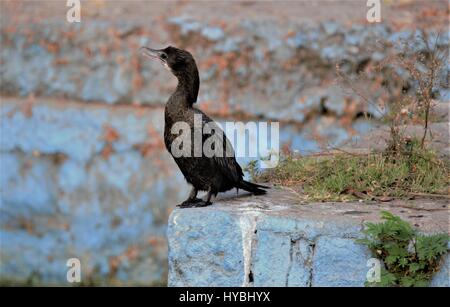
(195, 202)
(206, 202)
(193, 196)
(192, 199)
(208, 198)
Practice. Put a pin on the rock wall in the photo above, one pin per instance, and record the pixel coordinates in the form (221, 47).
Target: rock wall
(273, 241)
(279, 69)
(78, 181)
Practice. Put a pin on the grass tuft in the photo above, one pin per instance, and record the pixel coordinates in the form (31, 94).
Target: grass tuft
(348, 177)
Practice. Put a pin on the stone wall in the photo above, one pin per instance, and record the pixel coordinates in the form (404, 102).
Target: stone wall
(84, 181)
(275, 241)
(279, 69)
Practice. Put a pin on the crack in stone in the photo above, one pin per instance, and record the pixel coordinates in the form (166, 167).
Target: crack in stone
(248, 222)
(306, 259)
(310, 263)
(291, 260)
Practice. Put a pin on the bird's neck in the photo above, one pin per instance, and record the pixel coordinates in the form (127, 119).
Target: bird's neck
(188, 86)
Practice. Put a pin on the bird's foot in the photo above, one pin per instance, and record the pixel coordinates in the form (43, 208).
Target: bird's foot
(189, 202)
(192, 203)
(203, 204)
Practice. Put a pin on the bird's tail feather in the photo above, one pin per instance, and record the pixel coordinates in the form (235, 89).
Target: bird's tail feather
(254, 188)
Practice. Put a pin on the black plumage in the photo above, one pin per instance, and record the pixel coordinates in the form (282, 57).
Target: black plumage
(216, 173)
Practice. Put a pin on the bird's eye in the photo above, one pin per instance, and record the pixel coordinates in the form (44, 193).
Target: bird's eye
(164, 56)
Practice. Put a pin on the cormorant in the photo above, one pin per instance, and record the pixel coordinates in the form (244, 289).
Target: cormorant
(216, 173)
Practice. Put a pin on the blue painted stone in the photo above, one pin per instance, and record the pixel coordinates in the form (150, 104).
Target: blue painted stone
(339, 262)
(205, 249)
(213, 33)
(442, 277)
(281, 261)
(271, 262)
(83, 205)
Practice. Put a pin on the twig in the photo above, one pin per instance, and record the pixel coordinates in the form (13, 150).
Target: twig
(430, 195)
(419, 208)
(357, 92)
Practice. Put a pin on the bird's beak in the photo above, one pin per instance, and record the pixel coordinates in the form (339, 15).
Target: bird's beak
(155, 54)
(150, 53)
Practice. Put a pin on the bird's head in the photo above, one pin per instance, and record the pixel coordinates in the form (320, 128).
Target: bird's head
(181, 63)
(178, 61)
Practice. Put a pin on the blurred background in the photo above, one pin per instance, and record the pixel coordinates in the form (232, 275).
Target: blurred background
(84, 172)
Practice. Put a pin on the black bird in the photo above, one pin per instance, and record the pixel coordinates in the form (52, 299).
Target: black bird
(212, 173)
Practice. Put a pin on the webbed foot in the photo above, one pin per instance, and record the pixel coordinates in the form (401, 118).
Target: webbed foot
(192, 203)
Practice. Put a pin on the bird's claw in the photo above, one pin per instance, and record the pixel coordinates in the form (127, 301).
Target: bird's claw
(192, 203)
(203, 204)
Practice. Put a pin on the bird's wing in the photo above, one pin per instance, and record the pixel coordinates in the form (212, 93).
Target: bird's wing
(226, 160)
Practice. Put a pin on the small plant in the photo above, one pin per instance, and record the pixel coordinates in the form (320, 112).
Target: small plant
(409, 258)
(252, 169)
(425, 68)
(403, 86)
